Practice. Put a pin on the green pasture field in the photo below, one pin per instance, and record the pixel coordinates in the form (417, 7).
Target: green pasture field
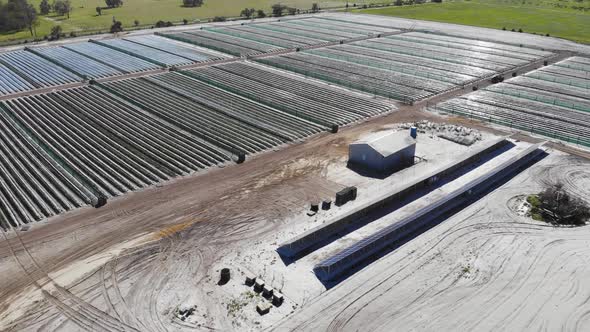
(148, 12)
(555, 17)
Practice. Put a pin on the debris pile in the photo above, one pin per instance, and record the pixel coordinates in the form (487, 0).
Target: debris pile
(458, 134)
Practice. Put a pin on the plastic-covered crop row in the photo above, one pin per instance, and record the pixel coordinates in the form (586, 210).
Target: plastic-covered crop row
(540, 95)
(406, 59)
(69, 148)
(37, 70)
(123, 62)
(75, 62)
(430, 54)
(322, 93)
(100, 159)
(573, 64)
(405, 68)
(312, 27)
(576, 73)
(260, 116)
(279, 98)
(10, 82)
(556, 77)
(554, 87)
(151, 54)
(477, 49)
(350, 27)
(249, 44)
(379, 75)
(254, 29)
(290, 30)
(196, 54)
(167, 148)
(403, 87)
(580, 59)
(279, 42)
(33, 186)
(480, 46)
(213, 44)
(543, 102)
(202, 121)
(452, 51)
(525, 105)
(533, 122)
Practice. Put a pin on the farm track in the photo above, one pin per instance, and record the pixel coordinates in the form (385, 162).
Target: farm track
(82, 313)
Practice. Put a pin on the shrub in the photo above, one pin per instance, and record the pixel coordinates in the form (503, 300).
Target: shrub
(116, 27)
(557, 206)
(55, 32)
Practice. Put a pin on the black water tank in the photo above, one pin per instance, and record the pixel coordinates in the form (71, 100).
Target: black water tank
(225, 276)
(100, 202)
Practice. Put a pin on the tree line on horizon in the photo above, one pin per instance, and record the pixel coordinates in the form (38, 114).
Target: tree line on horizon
(18, 15)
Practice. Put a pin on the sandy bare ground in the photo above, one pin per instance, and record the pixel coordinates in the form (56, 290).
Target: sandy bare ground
(130, 264)
(485, 268)
(127, 266)
(217, 207)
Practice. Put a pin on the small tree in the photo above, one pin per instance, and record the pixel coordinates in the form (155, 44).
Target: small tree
(30, 19)
(114, 3)
(136, 23)
(260, 13)
(557, 206)
(117, 27)
(192, 3)
(62, 7)
(55, 32)
(184, 21)
(99, 11)
(160, 24)
(247, 12)
(291, 10)
(316, 8)
(44, 7)
(278, 9)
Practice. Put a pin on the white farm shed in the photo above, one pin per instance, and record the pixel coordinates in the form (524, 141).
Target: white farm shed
(383, 152)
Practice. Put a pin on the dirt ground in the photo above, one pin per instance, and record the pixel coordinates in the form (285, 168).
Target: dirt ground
(487, 268)
(128, 266)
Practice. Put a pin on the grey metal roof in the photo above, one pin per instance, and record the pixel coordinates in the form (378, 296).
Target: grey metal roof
(387, 143)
